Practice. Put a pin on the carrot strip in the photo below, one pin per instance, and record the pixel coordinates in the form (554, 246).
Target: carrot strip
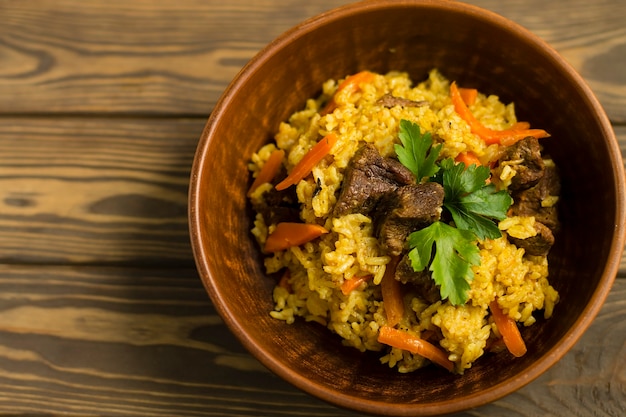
(405, 341)
(350, 84)
(288, 234)
(464, 111)
(469, 95)
(520, 126)
(269, 170)
(353, 283)
(509, 330)
(306, 164)
(505, 137)
(468, 158)
(393, 300)
(509, 136)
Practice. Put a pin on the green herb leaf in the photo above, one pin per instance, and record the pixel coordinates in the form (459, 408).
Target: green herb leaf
(460, 179)
(472, 203)
(417, 152)
(455, 254)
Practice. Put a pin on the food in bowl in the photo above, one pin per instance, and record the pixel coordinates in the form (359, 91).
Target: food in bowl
(411, 220)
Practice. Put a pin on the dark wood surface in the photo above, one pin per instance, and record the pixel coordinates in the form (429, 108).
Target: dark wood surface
(101, 309)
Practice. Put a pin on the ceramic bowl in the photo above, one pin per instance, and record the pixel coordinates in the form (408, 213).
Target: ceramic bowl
(468, 44)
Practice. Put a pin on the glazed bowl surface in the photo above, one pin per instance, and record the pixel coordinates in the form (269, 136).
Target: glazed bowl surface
(467, 44)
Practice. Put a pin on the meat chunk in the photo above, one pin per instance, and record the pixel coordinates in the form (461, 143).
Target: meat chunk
(532, 201)
(539, 244)
(525, 155)
(421, 281)
(385, 190)
(389, 100)
(367, 178)
(404, 210)
(535, 201)
(278, 206)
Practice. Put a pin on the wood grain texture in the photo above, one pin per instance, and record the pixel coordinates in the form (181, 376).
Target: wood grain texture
(147, 342)
(176, 56)
(99, 190)
(101, 309)
(163, 56)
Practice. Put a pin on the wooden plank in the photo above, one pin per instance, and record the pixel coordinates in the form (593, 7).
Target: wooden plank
(126, 342)
(147, 342)
(177, 56)
(111, 56)
(100, 190)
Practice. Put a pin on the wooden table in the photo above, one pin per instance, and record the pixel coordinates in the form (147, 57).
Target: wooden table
(101, 309)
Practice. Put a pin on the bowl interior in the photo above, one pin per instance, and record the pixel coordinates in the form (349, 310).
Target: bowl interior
(475, 48)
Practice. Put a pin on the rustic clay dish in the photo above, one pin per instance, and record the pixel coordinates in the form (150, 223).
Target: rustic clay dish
(474, 47)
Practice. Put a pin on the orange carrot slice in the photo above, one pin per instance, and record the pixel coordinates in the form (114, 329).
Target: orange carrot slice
(405, 341)
(393, 299)
(353, 283)
(269, 170)
(509, 330)
(306, 164)
(288, 234)
(505, 137)
(468, 95)
(509, 136)
(520, 126)
(468, 158)
(351, 84)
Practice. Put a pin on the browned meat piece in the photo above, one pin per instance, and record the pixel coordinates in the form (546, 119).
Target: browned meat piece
(421, 281)
(279, 206)
(531, 168)
(528, 202)
(537, 245)
(389, 100)
(404, 210)
(367, 178)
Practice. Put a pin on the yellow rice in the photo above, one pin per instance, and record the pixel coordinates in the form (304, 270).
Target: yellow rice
(317, 269)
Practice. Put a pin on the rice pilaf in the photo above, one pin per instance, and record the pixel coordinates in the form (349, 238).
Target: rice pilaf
(314, 272)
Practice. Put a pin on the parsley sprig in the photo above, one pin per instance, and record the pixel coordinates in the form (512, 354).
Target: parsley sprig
(451, 266)
(473, 204)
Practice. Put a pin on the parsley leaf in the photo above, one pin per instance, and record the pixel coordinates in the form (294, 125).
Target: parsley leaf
(417, 152)
(460, 179)
(472, 203)
(455, 254)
